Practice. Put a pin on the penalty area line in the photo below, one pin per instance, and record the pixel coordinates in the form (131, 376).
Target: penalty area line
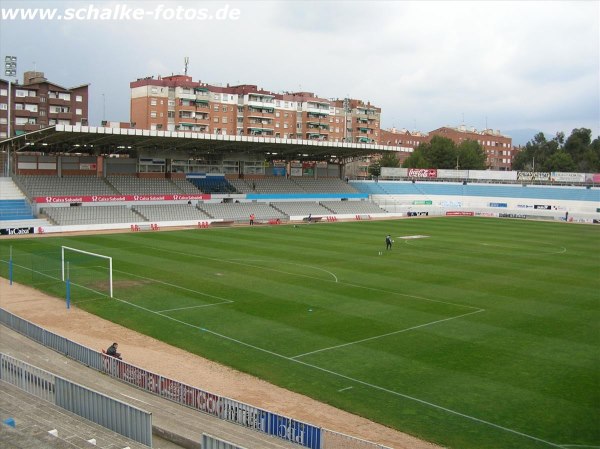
(343, 376)
(388, 334)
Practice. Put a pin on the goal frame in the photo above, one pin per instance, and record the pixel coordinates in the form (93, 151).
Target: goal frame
(110, 266)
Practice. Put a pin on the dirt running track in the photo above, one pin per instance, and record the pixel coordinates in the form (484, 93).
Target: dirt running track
(153, 355)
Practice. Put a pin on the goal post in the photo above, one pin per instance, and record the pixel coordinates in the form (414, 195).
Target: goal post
(65, 250)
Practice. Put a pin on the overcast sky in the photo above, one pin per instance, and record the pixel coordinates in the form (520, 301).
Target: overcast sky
(427, 64)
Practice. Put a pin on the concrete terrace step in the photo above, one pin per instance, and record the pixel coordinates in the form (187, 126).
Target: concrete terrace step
(35, 416)
(174, 422)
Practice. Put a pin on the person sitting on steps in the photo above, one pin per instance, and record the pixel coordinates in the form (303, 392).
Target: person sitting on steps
(112, 351)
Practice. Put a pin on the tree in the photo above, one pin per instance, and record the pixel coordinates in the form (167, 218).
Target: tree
(471, 156)
(375, 169)
(560, 161)
(416, 159)
(389, 159)
(441, 152)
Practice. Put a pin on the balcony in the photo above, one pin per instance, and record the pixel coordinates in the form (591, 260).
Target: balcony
(322, 112)
(255, 131)
(318, 125)
(186, 95)
(316, 136)
(253, 109)
(25, 113)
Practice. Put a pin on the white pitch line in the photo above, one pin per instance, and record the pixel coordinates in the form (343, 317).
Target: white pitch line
(289, 263)
(194, 307)
(388, 334)
(344, 389)
(385, 390)
(232, 261)
(175, 286)
(333, 373)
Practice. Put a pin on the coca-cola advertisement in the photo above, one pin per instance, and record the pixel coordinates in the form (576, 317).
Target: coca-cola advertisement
(422, 172)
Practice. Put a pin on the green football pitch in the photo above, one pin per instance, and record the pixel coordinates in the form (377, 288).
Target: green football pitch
(470, 332)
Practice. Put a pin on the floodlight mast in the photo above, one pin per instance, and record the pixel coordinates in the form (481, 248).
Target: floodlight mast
(10, 71)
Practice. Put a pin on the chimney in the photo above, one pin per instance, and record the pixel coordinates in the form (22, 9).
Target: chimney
(33, 77)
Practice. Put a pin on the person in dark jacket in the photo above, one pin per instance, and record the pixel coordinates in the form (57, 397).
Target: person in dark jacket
(388, 242)
(112, 351)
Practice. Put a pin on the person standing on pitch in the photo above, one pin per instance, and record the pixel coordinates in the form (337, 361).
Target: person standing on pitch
(251, 219)
(388, 242)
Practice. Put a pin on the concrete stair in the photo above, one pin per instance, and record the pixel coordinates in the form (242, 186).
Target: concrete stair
(34, 418)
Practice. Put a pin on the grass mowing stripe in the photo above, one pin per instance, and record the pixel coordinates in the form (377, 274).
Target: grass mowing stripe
(530, 363)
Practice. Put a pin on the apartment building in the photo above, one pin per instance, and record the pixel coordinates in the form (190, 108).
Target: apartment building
(402, 138)
(177, 103)
(498, 148)
(363, 120)
(38, 103)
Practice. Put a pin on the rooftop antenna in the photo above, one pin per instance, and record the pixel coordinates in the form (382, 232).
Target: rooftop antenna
(486, 125)
(186, 62)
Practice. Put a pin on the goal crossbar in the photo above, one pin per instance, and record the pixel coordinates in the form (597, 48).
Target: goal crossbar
(110, 268)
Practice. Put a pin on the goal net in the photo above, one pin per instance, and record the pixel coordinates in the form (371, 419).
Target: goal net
(86, 272)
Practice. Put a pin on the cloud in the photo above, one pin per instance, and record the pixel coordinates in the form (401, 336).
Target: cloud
(510, 64)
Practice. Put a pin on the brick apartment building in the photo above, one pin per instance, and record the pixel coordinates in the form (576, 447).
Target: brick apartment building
(498, 148)
(38, 103)
(177, 103)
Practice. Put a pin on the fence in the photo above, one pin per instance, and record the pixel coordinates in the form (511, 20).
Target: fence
(285, 428)
(117, 416)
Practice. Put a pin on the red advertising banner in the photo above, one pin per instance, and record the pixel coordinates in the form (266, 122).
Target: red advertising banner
(422, 172)
(459, 213)
(117, 198)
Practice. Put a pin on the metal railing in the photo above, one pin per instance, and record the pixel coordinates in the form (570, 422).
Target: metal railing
(285, 428)
(103, 410)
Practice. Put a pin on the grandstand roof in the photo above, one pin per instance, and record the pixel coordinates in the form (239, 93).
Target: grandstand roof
(99, 140)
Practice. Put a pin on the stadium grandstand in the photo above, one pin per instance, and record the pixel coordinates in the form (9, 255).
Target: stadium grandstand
(69, 178)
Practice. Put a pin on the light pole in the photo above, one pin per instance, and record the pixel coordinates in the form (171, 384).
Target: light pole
(10, 71)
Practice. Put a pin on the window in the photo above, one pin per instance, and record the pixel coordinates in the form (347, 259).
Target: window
(217, 96)
(78, 98)
(285, 125)
(154, 90)
(31, 107)
(3, 92)
(224, 120)
(78, 111)
(224, 109)
(42, 112)
(3, 107)
(171, 103)
(153, 114)
(216, 119)
(216, 108)
(153, 102)
(171, 114)
(277, 125)
(18, 106)
(42, 99)
(285, 114)
(3, 121)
